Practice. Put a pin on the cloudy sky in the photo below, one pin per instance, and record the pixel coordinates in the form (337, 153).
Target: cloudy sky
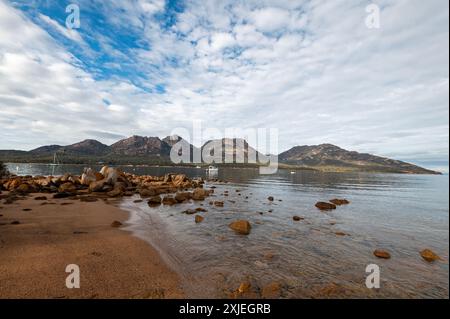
(311, 68)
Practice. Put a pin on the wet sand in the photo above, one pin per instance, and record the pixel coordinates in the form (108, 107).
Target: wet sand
(113, 263)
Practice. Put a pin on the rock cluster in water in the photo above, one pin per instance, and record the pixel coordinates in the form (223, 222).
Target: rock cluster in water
(109, 182)
(332, 204)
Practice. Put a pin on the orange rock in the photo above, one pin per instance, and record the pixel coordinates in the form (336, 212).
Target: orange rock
(200, 194)
(199, 219)
(154, 201)
(325, 206)
(242, 227)
(245, 291)
(23, 188)
(97, 186)
(339, 202)
(218, 204)
(119, 190)
(12, 184)
(183, 196)
(429, 255)
(330, 290)
(169, 200)
(382, 254)
(271, 291)
(178, 180)
(147, 192)
(244, 287)
(67, 188)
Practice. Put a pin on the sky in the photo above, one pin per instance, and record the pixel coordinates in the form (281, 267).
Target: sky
(312, 69)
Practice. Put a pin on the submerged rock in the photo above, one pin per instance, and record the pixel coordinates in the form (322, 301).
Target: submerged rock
(189, 212)
(218, 204)
(154, 201)
(244, 287)
(245, 291)
(183, 197)
(169, 200)
(429, 255)
(271, 291)
(339, 233)
(199, 219)
(242, 227)
(339, 202)
(200, 194)
(325, 206)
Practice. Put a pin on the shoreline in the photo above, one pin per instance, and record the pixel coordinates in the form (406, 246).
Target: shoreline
(34, 253)
(282, 166)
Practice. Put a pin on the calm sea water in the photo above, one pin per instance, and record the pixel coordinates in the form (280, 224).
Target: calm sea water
(400, 213)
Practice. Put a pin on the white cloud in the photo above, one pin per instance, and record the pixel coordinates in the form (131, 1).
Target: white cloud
(71, 34)
(152, 6)
(221, 41)
(270, 19)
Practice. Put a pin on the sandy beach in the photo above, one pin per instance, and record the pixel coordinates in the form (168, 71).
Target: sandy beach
(51, 234)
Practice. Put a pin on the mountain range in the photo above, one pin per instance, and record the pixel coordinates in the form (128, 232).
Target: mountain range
(153, 150)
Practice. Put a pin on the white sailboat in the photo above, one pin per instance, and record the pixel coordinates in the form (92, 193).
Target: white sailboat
(55, 160)
(212, 170)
